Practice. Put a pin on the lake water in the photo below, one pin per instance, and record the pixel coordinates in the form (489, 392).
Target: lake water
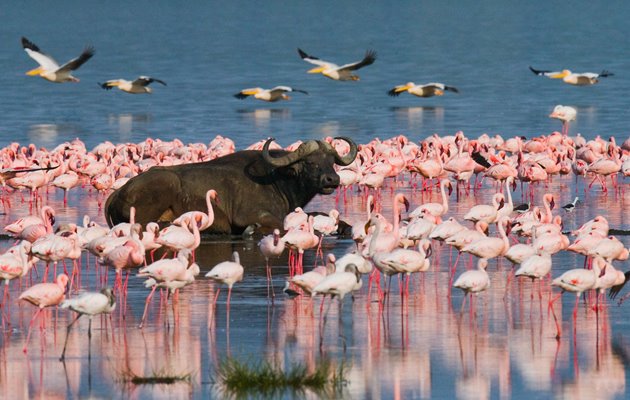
(206, 52)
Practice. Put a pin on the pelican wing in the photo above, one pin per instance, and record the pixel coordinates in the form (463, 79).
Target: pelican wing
(146, 80)
(315, 60)
(285, 89)
(370, 57)
(77, 62)
(46, 61)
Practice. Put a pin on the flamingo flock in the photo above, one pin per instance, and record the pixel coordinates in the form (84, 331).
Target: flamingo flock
(384, 247)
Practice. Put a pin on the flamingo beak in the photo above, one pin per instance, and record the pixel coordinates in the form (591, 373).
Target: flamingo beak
(406, 203)
(513, 184)
(501, 204)
(429, 251)
(552, 203)
(602, 272)
(450, 189)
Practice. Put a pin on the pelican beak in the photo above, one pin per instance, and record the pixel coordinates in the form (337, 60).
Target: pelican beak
(316, 70)
(250, 92)
(559, 75)
(113, 84)
(35, 71)
(403, 88)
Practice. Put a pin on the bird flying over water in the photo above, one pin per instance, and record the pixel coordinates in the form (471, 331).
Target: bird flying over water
(49, 69)
(138, 86)
(273, 94)
(336, 72)
(572, 78)
(427, 90)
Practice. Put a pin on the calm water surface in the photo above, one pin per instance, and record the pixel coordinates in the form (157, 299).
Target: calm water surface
(417, 348)
(207, 51)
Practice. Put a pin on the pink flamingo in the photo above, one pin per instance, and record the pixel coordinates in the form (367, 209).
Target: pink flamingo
(204, 220)
(577, 280)
(473, 281)
(177, 238)
(35, 231)
(44, 295)
(484, 212)
(90, 304)
(227, 272)
(165, 271)
(66, 182)
(271, 246)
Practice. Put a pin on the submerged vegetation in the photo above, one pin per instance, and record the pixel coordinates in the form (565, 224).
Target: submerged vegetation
(157, 378)
(266, 379)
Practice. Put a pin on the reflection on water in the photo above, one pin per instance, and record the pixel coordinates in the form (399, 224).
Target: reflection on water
(262, 116)
(46, 134)
(501, 345)
(414, 119)
(124, 124)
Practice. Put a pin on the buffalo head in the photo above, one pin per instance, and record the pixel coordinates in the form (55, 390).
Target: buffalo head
(313, 163)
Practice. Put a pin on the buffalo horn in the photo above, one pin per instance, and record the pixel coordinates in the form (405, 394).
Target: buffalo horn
(302, 151)
(348, 158)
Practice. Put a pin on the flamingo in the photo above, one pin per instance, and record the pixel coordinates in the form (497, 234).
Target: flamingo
(536, 266)
(227, 272)
(271, 246)
(204, 221)
(340, 283)
(484, 212)
(177, 238)
(473, 281)
(35, 231)
(577, 280)
(435, 209)
(308, 280)
(170, 273)
(90, 304)
(44, 295)
(490, 247)
(565, 114)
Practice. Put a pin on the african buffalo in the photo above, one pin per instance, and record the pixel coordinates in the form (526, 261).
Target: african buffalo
(254, 187)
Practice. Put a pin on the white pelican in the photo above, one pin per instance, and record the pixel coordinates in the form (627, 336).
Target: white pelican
(48, 67)
(273, 94)
(583, 79)
(336, 72)
(428, 90)
(138, 86)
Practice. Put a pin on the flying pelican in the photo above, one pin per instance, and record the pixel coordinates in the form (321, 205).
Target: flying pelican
(428, 90)
(48, 67)
(583, 79)
(138, 86)
(273, 94)
(336, 72)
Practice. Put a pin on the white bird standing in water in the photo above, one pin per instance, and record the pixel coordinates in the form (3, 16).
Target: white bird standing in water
(49, 69)
(227, 272)
(565, 114)
(90, 304)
